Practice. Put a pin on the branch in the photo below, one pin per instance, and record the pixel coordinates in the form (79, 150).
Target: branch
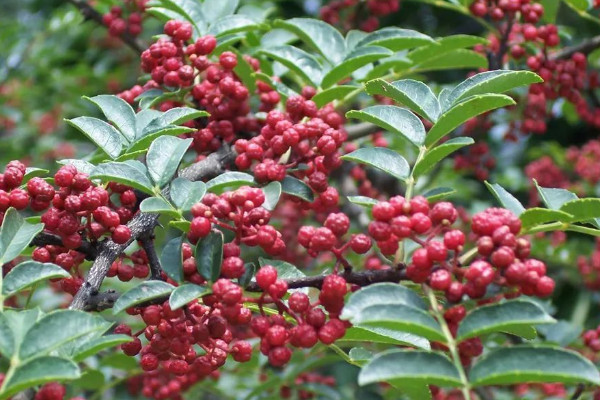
(585, 47)
(104, 300)
(89, 13)
(578, 391)
(45, 238)
(363, 129)
(142, 224)
(147, 241)
(361, 278)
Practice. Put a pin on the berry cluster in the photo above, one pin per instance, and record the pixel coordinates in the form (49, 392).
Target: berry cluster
(118, 23)
(586, 161)
(303, 135)
(77, 211)
(352, 13)
(10, 193)
(502, 257)
(498, 10)
(325, 238)
(591, 339)
(589, 268)
(171, 362)
(53, 391)
(241, 212)
(125, 271)
(476, 158)
(312, 324)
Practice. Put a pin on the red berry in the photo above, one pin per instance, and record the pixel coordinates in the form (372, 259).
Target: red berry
(266, 276)
(121, 234)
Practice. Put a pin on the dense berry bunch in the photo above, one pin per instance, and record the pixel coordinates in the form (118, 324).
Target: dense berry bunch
(500, 9)
(302, 136)
(476, 158)
(501, 256)
(131, 266)
(352, 13)
(12, 196)
(118, 23)
(586, 161)
(241, 212)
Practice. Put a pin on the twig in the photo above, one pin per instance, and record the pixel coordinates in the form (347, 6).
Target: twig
(578, 391)
(360, 130)
(361, 278)
(104, 300)
(45, 238)
(147, 241)
(585, 47)
(89, 13)
(495, 60)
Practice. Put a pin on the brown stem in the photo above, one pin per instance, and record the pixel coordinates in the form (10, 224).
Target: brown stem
(585, 47)
(89, 13)
(147, 241)
(46, 238)
(104, 300)
(578, 391)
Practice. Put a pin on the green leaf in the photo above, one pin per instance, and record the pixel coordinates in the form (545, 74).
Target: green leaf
(209, 256)
(81, 165)
(437, 154)
(413, 94)
(410, 367)
(145, 291)
(96, 345)
(249, 271)
(272, 193)
(38, 371)
(283, 90)
(7, 338)
(58, 328)
(395, 39)
(502, 317)
(214, 10)
(555, 198)
(333, 93)
(230, 24)
(186, 293)
(532, 364)
(297, 60)
(102, 134)
(20, 322)
(507, 200)
(117, 111)
(174, 116)
(164, 156)
(318, 34)
(171, 259)
(29, 273)
(444, 45)
(497, 81)
(229, 179)
(185, 193)
(582, 209)
(456, 59)
(158, 206)
(31, 172)
(91, 379)
(535, 216)
(381, 294)
(143, 143)
(362, 201)
(381, 158)
(401, 318)
(356, 59)
(284, 269)
(438, 193)
(462, 112)
(375, 334)
(394, 119)
(297, 188)
(130, 173)
(580, 5)
(15, 235)
(183, 226)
